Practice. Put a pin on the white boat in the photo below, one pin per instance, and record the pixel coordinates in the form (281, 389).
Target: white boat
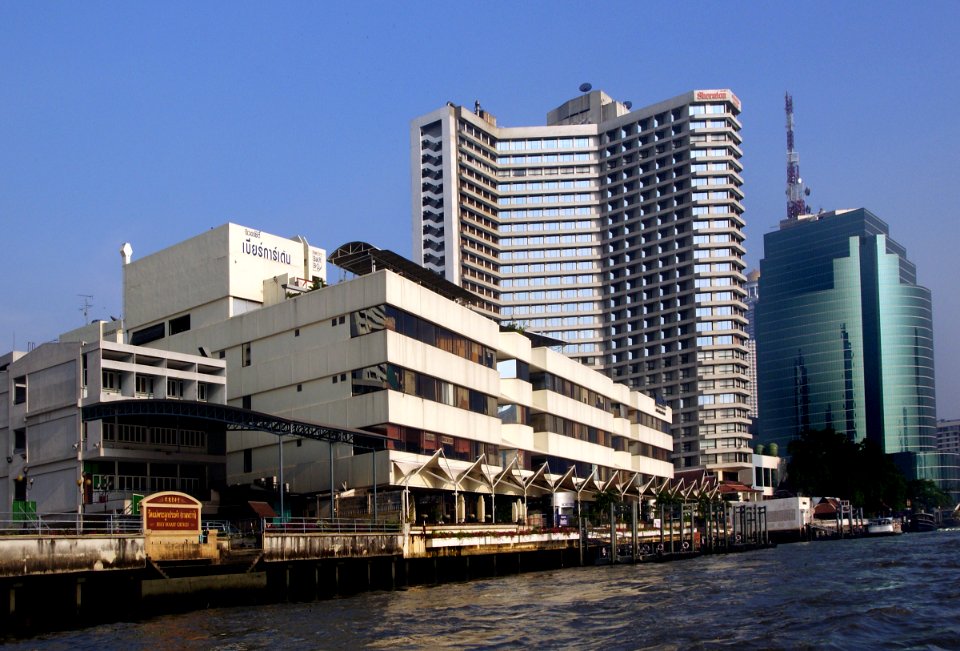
(884, 527)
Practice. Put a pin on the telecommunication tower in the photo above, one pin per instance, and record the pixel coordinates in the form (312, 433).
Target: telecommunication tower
(796, 192)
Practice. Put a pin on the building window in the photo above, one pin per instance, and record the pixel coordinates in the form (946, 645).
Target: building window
(20, 390)
(248, 460)
(296, 333)
(180, 324)
(19, 441)
(299, 388)
(246, 355)
(144, 385)
(202, 391)
(148, 334)
(174, 388)
(111, 381)
(246, 402)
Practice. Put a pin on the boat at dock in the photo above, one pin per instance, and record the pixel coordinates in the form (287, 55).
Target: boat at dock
(884, 527)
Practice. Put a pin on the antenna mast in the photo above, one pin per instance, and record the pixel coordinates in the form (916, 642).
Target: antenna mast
(796, 205)
(85, 308)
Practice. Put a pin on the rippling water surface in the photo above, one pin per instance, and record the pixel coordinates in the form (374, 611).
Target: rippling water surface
(885, 593)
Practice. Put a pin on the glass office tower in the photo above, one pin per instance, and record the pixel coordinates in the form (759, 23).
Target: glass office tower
(845, 338)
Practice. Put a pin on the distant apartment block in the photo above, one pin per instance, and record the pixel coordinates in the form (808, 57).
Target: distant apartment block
(948, 436)
(617, 231)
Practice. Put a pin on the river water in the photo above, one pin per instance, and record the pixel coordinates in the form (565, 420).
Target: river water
(901, 592)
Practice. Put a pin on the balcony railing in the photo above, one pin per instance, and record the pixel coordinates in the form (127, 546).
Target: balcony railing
(69, 524)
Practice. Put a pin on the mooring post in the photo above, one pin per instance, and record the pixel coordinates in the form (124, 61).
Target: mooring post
(582, 534)
(662, 524)
(613, 533)
(634, 512)
(683, 515)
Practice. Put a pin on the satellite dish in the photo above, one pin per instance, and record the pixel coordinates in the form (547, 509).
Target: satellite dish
(585, 88)
(628, 104)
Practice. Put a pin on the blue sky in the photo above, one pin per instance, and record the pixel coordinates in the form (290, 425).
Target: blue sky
(150, 123)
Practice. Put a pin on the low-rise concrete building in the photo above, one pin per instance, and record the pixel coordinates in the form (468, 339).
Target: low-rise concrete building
(466, 410)
(54, 461)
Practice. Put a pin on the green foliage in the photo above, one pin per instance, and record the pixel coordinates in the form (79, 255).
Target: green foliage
(827, 463)
(924, 495)
(602, 502)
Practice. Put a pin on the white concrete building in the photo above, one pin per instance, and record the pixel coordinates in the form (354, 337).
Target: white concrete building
(463, 406)
(216, 275)
(53, 461)
(948, 436)
(616, 230)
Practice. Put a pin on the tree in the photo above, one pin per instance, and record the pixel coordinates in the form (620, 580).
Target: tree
(602, 501)
(821, 462)
(926, 495)
(827, 463)
(879, 486)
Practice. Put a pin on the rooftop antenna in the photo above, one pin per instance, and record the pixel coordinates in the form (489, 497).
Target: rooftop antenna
(85, 308)
(796, 191)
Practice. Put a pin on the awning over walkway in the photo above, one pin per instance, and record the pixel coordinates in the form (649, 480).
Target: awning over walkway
(233, 419)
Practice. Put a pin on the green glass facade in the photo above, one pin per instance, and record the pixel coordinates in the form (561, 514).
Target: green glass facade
(845, 337)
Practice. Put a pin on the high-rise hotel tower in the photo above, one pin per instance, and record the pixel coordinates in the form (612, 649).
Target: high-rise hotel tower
(617, 231)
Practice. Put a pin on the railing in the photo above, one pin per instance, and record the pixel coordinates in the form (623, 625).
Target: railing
(68, 524)
(223, 527)
(103, 484)
(321, 525)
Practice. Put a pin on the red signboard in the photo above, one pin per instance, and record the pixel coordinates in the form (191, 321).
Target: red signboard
(171, 512)
(161, 518)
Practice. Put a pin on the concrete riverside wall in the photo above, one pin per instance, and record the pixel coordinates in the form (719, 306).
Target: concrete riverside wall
(25, 555)
(288, 546)
(193, 584)
(492, 544)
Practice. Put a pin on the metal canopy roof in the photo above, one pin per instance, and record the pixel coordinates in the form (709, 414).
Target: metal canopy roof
(362, 259)
(233, 418)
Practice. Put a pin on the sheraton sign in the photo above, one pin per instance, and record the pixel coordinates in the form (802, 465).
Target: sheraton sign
(723, 95)
(170, 512)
